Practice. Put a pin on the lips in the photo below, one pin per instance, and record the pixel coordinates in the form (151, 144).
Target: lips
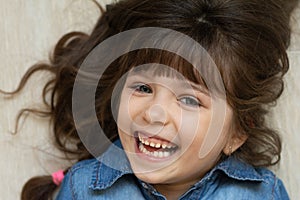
(154, 146)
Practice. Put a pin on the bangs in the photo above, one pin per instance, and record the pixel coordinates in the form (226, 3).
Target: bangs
(164, 63)
(201, 71)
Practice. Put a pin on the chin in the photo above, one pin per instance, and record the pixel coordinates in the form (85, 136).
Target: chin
(151, 178)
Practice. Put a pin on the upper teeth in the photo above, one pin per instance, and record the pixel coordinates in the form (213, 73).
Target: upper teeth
(156, 144)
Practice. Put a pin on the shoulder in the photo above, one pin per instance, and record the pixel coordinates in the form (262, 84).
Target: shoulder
(79, 176)
(267, 187)
(272, 184)
(83, 169)
(236, 179)
(91, 179)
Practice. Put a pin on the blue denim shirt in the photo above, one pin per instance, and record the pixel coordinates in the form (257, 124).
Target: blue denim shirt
(230, 180)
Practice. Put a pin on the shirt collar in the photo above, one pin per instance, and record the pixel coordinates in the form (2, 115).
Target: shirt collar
(239, 170)
(113, 164)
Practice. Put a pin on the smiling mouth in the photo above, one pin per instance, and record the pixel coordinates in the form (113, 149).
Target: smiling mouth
(155, 147)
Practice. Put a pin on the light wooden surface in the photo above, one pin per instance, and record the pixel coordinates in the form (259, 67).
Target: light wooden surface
(28, 32)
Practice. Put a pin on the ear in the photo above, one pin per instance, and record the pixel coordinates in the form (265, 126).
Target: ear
(234, 143)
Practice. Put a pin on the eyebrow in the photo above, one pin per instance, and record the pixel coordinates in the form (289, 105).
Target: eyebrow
(195, 86)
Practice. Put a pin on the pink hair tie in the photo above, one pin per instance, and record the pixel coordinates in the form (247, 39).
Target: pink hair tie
(57, 177)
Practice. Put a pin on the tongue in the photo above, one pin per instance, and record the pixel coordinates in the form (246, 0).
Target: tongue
(151, 149)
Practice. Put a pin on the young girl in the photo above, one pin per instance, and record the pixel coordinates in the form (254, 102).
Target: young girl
(167, 99)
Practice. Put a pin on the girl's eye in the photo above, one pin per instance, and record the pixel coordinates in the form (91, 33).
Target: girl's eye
(190, 101)
(142, 88)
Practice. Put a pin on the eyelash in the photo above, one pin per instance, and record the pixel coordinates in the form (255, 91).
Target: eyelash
(140, 88)
(195, 102)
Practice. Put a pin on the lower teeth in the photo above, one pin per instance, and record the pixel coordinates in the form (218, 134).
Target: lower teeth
(158, 154)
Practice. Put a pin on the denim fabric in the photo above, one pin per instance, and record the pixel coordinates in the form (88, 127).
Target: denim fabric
(230, 180)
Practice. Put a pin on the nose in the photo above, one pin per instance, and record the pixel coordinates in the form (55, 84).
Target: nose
(156, 113)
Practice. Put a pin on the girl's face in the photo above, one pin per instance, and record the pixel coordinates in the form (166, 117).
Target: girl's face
(162, 123)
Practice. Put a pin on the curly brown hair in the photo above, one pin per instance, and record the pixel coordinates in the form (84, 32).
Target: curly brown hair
(247, 40)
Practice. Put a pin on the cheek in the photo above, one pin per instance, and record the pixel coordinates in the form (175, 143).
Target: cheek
(217, 135)
(134, 107)
(130, 105)
(199, 133)
(124, 118)
(193, 128)
(130, 111)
